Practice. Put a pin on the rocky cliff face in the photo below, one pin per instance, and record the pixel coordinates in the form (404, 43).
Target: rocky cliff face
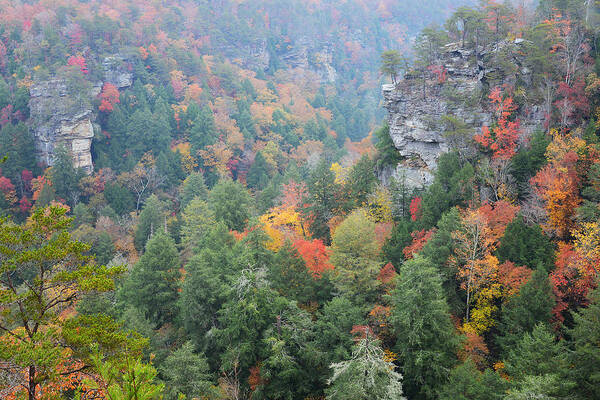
(57, 119)
(305, 54)
(422, 109)
(117, 71)
(309, 56)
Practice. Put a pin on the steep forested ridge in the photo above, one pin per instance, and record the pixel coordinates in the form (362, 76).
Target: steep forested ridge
(193, 200)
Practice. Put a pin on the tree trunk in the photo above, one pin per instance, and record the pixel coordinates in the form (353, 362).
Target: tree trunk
(31, 383)
(588, 3)
(469, 293)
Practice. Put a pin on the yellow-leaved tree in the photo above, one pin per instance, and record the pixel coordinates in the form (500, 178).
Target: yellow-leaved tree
(282, 223)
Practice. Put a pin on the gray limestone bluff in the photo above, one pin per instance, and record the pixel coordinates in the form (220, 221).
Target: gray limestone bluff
(61, 118)
(118, 71)
(304, 54)
(56, 120)
(420, 109)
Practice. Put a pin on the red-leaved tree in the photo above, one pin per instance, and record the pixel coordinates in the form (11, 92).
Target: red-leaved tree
(502, 138)
(108, 97)
(80, 62)
(315, 254)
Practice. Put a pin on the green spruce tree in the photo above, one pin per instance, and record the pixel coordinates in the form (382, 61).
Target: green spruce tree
(426, 339)
(585, 341)
(230, 202)
(151, 220)
(153, 285)
(532, 305)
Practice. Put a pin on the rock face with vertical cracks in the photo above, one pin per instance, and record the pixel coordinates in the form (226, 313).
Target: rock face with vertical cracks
(304, 55)
(56, 122)
(58, 119)
(117, 70)
(421, 105)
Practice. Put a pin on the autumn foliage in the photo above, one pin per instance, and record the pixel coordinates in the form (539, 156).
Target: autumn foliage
(415, 208)
(558, 184)
(479, 272)
(282, 223)
(419, 239)
(78, 61)
(315, 254)
(108, 97)
(502, 138)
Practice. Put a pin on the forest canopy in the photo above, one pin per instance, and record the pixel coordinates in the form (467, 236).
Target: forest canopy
(205, 200)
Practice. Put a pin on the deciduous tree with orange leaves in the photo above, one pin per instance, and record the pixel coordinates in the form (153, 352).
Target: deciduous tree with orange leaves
(478, 268)
(557, 184)
(315, 254)
(576, 269)
(420, 239)
(108, 97)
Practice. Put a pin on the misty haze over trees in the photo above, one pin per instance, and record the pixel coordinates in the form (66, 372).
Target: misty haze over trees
(286, 199)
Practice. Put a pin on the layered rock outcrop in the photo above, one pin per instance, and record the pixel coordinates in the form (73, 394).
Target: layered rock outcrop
(304, 55)
(423, 109)
(60, 117)
(57, 121)
(117, 71)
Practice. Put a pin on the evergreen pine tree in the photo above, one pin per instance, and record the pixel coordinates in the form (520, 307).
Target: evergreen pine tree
(289, 275)
(526, 245)
(321, 200)
(208, 283)
(538, 366)
(186, 373)
(197, 219)
(387, 154)
(365, 376)
(585, 340)
(193, 186)
(467, 383)
(258, 176)
(119, 198)
(153, 284)
(151, 221)
(230, 202)
(532, 305)
(426, 340)
(333, 329)
(65, 177)
(82, 215)
(360, 183)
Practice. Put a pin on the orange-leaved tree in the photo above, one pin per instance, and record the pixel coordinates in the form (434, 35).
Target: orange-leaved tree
(109, 96)
(557, 183)
(315, 254)
(478, 269)
(420, 239)
(577, 269)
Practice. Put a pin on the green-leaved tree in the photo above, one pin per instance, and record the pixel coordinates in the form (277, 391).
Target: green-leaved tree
(43, 272)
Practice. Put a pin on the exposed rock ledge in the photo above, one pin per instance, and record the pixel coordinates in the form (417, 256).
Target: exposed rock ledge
(57, 121)
(416, 109)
